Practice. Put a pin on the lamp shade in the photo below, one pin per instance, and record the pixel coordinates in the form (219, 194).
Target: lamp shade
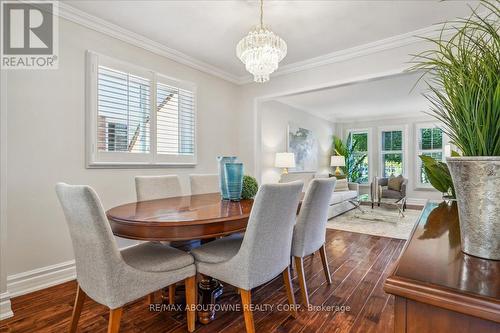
(284, 160)
(337, 160)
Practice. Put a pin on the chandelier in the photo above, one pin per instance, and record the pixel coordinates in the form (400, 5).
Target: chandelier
(261, 50)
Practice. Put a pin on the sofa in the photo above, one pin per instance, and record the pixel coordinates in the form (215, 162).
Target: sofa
(339, 201)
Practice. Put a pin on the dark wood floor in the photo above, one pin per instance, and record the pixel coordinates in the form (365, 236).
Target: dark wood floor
(358, 263)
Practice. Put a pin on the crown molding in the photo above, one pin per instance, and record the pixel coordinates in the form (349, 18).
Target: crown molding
(92, 22)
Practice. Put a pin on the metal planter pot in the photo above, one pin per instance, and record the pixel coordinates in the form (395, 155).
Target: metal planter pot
(477, 186)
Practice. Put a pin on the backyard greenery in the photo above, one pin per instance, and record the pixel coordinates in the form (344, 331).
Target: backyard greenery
(464, 73)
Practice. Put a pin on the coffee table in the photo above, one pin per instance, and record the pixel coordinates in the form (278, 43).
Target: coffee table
(386, 202)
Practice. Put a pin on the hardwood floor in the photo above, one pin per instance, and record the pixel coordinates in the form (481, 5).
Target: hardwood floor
(358, 264)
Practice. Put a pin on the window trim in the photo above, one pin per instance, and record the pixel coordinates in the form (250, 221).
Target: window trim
(418, 151)
(96, 159)
(368, 131)
(404, 148)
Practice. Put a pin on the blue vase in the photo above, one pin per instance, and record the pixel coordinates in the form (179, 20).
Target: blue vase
(234, 180)
(222, 174)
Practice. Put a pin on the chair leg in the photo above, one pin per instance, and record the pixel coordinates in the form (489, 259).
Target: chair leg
(77, 309)
(151, 298)
(190, 283)
(246, 301)
(171, 294)
(324, 260)
(287, 279)
(115, 316)
(299, 266)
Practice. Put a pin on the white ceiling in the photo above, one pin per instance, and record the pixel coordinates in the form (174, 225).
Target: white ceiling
(209, 30)
(384, 98)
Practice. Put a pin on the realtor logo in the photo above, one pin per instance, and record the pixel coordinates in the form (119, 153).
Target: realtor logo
(29, 35)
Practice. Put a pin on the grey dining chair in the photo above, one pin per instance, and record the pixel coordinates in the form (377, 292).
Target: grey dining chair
(262, 253)
(310, 230)
(112, 277)
(157, 187)
(205, 183)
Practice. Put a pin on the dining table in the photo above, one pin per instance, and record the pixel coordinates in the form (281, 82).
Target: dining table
(186, 222)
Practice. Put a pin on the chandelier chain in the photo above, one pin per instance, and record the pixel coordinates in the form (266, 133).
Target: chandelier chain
(261, 14)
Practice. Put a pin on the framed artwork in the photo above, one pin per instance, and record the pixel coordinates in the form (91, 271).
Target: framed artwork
(304, 145)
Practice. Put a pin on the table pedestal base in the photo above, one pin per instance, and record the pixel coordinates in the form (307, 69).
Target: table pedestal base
(209, 290)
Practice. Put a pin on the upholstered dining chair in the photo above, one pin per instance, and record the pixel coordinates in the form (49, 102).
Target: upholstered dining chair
(112, 277)
(157, 187)
(262, 253)
(310, 229)
(201, 184)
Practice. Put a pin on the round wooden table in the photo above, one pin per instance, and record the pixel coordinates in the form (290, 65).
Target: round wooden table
(184, 221)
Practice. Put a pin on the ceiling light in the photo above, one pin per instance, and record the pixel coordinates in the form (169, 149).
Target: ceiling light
(261, 50)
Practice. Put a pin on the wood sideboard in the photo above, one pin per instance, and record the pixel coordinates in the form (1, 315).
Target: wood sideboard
(437, 287)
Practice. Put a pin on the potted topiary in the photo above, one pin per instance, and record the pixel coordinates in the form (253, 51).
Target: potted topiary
(464, 72)
(250, 187)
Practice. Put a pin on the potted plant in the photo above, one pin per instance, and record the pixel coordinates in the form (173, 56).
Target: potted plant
(464, 72)
(353, 162)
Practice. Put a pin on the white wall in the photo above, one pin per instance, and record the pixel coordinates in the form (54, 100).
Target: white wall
(414, 192)
(274, 122)
(46, 142)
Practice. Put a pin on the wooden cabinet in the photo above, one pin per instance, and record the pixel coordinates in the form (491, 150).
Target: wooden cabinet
(437, 287)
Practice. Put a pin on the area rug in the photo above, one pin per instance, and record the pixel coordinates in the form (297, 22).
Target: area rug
(378, 221)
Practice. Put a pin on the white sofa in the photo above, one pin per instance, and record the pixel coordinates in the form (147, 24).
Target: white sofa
(339, 202)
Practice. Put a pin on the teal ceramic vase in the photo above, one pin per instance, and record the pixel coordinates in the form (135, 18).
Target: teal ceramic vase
(222, 160)
(234, 180)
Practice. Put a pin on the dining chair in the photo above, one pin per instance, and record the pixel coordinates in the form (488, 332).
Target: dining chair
(112, 277)
(262, 253)
(157, 187)
(207, 183)
(310, 229)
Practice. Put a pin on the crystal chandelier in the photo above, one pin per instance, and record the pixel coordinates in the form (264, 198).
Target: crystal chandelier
(261, 50)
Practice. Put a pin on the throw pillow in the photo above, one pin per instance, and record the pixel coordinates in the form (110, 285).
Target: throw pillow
(341, 185)
(394, 183)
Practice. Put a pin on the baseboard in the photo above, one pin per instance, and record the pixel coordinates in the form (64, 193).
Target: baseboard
(5, 309)
(41, 278)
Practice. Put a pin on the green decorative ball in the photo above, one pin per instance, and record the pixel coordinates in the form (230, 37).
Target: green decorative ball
(250, 187)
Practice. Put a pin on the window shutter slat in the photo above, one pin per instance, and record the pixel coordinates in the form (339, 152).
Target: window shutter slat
(123, 112)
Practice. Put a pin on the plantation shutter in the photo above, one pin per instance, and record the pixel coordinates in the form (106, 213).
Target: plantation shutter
(175, 125)
(137, 117)
(123, 110)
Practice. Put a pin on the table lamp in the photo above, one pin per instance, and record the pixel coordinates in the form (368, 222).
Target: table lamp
(285, 161)
(337, 161)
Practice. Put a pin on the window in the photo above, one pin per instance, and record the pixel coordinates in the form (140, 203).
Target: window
(392, 153)
(430, 142)
(360, 174)
(138, 117)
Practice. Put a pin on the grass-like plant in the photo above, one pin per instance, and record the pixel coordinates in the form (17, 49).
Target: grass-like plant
(464, 72)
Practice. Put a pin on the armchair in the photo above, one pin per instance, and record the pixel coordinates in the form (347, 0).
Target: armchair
(379, 190)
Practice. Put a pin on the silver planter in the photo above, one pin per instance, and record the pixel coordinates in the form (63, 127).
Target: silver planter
(477, 186)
